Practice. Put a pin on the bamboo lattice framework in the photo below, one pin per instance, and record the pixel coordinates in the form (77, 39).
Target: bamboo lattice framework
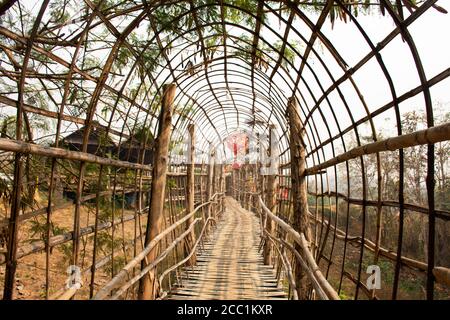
(101, 65)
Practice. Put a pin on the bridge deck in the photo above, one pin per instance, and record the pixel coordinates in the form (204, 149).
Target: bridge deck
(230, 266)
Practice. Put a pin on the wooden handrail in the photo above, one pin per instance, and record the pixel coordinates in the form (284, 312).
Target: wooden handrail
(300, 239)
(155, 262)
(120, 277)
(194, 247)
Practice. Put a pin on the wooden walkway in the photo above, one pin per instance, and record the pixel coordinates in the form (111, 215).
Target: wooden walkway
(230, 266)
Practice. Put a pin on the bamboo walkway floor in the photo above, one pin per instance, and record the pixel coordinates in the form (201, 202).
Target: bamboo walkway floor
(229, 265)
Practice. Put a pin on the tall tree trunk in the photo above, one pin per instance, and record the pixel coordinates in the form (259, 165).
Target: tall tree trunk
(210, 182)
(299, 191)
(148, 286)
(271, 200)
(190, 193)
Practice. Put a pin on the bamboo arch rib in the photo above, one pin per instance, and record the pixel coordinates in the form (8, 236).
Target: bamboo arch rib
(93, 77)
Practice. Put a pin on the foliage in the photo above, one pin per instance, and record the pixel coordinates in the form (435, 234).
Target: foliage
(143, 134)
(415, 171)
(119, 263)
(105, 242)
(171, 183)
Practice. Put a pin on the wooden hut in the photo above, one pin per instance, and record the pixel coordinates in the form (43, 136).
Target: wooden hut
(99, 141)
(132, 149)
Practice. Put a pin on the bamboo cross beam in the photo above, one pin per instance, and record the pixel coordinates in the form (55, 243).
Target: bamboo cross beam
(37, 212)
(428, 136)
(39, 245)
(56, 115)
(35, 149)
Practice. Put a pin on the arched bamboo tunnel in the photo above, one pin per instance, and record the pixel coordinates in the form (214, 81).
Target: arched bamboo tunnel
(98, 98)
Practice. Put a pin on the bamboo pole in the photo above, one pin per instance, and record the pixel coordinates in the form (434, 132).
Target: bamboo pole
(35, 149)
(428, 136)
(58, 115)
(122, 275)
(148, 288)
(16, 205)
(210, 182)
(303, 247)
(371, 246)
(311, 275)
(244, 186)
(66, 294)
(39, 245)
(190, 193)
(235, 183)
(194, 248)
(221, 188)
(299, 190)
(156, 261)
(271, 202)
(285, 263)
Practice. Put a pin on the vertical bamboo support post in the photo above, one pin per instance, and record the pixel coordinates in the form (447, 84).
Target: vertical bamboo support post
(236, 184)
(210, 182)
(271, 200)
(190, 193)
(299, 190)
(13, 227)
(221, 185)
(148, 286)
(244, 186)
(260, 168)
(255, 186)
(248, 180)
(202, 189)
(233, 183)
(251, 176)
(215, 184)
(239, 184)
(237, 177)
(221, 179)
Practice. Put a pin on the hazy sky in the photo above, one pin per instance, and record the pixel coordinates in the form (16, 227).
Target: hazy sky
(430, 33)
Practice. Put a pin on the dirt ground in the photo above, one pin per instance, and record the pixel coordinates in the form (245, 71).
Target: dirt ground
(31, 274)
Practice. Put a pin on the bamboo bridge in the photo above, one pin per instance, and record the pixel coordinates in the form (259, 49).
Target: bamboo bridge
(216, 150)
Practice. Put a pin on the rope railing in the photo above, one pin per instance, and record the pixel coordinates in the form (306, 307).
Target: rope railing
(118, 281)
